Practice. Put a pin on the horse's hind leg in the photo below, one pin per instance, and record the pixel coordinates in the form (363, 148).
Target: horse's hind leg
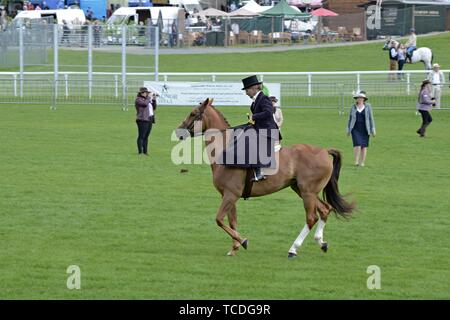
(324, 210)
(310, 204)
(228, 203)
(232, 220)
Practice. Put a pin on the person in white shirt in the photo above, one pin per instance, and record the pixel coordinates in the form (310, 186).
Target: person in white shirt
(277, 114)
(436, 77)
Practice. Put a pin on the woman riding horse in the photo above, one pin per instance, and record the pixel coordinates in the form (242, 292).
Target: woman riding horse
(307, 169)
(262, 131)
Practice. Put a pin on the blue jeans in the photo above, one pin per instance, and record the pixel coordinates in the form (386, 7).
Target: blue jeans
(410, 50)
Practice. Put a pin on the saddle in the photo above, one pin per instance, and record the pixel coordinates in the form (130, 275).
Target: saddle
(249, 179)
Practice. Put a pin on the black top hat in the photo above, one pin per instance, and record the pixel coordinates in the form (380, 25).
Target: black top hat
(250, 81)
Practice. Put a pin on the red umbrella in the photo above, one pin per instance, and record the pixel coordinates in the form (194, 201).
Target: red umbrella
(322, 12)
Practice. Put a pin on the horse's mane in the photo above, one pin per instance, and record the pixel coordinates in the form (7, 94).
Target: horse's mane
(221, 115)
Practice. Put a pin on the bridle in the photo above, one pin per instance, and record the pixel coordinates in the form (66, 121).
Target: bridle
(190, 128)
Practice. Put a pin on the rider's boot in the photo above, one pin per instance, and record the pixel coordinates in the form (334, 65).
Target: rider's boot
(259, 175)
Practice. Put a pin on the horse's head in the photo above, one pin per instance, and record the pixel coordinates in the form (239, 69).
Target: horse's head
(386, 44)
(187, 127)
(390, 43)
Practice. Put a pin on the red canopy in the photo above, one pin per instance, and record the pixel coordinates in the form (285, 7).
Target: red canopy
(324, 13)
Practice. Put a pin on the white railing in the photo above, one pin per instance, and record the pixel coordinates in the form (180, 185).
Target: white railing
(298, 89)
(358, 78)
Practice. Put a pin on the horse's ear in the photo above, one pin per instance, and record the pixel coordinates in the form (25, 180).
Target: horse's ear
(204, 104)
(211, 101)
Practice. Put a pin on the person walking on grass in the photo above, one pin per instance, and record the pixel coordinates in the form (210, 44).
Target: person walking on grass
(424, 104)
(436, 77)
(361, 125)
(145, 104)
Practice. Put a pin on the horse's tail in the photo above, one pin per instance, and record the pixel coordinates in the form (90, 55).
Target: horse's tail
(331, 192)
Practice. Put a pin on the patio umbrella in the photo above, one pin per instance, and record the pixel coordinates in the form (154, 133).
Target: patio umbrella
(211, 12)
(322, 12)
(242, 12)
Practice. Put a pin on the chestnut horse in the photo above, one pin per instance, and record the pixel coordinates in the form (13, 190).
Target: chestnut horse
(307, 169)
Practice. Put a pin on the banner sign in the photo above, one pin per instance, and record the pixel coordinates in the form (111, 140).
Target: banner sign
(192, 93)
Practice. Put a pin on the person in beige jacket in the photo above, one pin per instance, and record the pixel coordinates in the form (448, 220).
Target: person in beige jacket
(277, 114)
(436, 77)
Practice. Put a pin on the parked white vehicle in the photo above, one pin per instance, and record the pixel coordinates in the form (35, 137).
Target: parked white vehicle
(301, 26)
(190, 6)
(135, 15)
(71, 16)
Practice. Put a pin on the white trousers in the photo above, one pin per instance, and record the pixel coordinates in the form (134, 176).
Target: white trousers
(436, 93)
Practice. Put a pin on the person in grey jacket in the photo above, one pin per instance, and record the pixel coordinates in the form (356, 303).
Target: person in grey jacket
(361, 125)
(424, 104)
(145, 105)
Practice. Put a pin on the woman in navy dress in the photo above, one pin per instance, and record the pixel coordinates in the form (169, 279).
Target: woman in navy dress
(361, 126)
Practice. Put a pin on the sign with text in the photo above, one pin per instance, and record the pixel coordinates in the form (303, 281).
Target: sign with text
(192, 93)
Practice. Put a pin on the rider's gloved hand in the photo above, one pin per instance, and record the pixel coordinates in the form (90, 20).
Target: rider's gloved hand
(250, 120)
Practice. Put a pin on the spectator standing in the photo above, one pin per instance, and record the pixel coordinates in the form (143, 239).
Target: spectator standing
(173, 35)
(90, 14)
(235, 30)
(401, 56)
(361, 125)
(392, 62)
(110, 10)
(145, 105)
(3, 21)
(437, 80)
(424, 104)
(66, 32)
(97, 30)
(277, 114)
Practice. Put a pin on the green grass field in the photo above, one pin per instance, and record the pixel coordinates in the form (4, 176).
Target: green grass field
(74, 192)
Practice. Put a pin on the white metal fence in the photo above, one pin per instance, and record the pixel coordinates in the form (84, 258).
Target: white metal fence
(298, 89)
(39, 45)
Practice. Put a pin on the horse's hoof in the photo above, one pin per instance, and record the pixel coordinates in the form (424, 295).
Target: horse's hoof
(245, 243)
(291, 255)
(231, 253)
(324, 247)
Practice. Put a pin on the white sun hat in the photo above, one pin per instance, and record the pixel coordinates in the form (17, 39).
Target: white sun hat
(359, 94)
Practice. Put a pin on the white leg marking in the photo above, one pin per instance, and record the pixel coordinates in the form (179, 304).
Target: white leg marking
(298, 242)
(318, 236)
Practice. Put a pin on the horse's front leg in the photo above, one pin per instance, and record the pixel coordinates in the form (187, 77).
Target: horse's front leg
(226, 208)
(232, 220)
